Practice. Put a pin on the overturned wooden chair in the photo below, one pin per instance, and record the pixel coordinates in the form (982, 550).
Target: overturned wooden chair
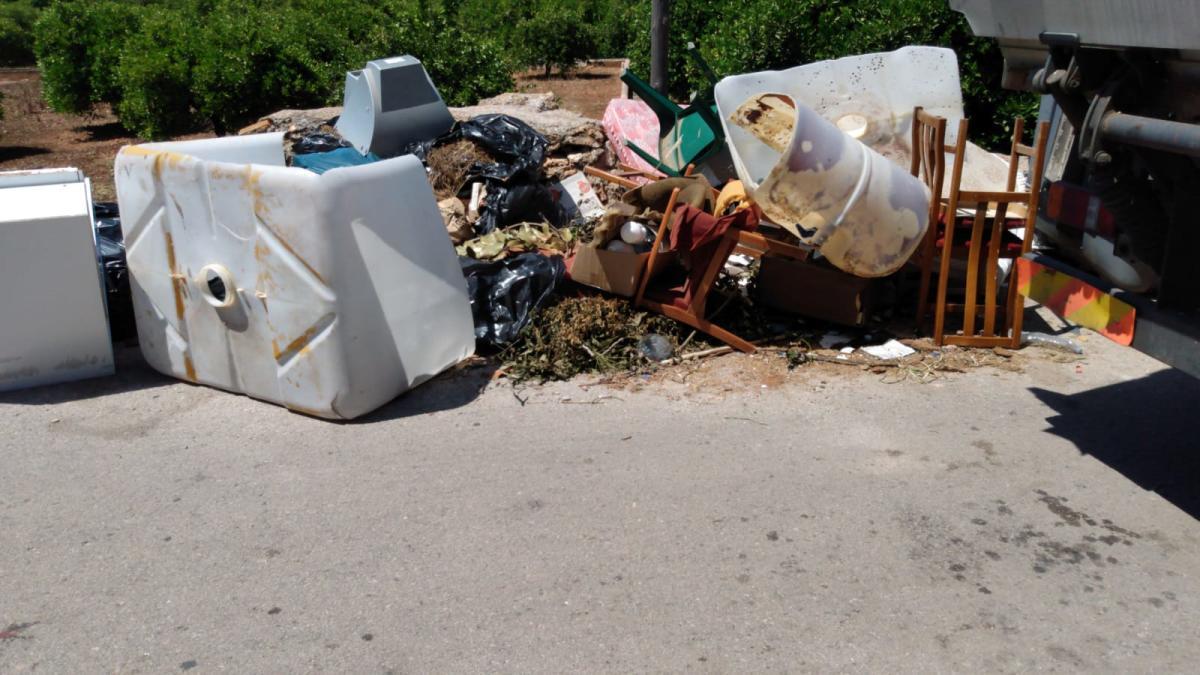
(687, 302)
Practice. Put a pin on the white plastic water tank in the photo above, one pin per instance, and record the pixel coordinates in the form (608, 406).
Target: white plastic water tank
(328, 294)
(53, 326)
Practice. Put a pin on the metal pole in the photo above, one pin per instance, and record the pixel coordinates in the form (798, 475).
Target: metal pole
(1150, 132)
(660, 19)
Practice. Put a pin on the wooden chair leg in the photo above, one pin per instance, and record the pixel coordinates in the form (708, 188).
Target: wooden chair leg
(702, 325)
(927, 250)
(939, 306)
(664, 229)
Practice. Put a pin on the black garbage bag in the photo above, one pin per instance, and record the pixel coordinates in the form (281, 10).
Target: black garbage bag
(506, 293)
(520, 147)
(110, 245)
(510, 204)
(318, 141)
(514, 193)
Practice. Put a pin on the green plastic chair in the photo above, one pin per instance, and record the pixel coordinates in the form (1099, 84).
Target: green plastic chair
(686, 135)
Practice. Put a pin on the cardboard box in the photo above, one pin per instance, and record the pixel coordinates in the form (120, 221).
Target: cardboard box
(815, 291)
(611, 271)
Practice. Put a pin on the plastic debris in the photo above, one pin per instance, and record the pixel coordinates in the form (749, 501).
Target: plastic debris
(320, 162)
(831, 340)
(1052, 341)
(389, 104)
(892, 349)
(655, 347)
(577, 198)
(318, 141)
(505, 294)
(110, 244)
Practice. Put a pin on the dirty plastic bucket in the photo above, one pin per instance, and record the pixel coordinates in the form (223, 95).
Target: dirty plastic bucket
(329, 294)
(865, 213)
(842, 182)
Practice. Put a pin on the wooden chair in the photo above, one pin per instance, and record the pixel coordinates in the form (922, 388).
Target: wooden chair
(990, 219)
(754, 244)
(693, 314)
(929, 164)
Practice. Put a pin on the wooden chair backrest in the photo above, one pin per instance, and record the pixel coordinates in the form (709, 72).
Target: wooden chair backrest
(928, 156)
(981, 200)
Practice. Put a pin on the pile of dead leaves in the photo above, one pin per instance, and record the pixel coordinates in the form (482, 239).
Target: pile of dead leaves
(583, 335)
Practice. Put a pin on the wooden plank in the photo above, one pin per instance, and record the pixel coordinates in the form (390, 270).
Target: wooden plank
(610, 177)
(976, 341)
(975, 197)
(766, 245)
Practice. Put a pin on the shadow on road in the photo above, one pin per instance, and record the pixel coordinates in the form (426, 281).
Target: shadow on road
(1148, 429)
(447, 391)
(133, 374)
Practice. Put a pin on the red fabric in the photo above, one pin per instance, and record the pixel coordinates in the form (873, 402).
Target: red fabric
(698, 234)
(693, 228)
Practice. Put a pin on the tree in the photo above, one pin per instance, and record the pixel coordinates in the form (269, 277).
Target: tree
(556, 36)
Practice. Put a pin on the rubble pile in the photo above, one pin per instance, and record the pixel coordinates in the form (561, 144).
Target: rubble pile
(765, 219)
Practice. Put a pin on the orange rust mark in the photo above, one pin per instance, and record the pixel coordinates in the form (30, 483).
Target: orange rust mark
(189, 368)
(138, 151)
(297, 346)
(283, 242)
(178, 283)
(306, 411)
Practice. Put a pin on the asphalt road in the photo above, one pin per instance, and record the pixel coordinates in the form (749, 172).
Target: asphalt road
(1044, 520)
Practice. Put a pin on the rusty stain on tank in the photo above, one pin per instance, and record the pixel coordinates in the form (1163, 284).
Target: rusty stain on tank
(178, 282)
(284, 242)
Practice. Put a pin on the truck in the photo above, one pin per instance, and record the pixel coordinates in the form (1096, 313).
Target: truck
(1120, 207)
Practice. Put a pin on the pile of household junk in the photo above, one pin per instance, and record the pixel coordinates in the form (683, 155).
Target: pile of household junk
(330, 260)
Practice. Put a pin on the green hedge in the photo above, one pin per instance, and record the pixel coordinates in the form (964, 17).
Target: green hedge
(173, 66)
(16, 32)
(170, 66)
(773, 34)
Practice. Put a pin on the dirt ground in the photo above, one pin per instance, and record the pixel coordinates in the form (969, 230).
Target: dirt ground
(586, 90)
(35, 137)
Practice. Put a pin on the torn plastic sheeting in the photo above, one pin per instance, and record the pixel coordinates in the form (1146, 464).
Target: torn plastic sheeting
(320, 162)
(505, 293)
(318, 141)
(1051, 341)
